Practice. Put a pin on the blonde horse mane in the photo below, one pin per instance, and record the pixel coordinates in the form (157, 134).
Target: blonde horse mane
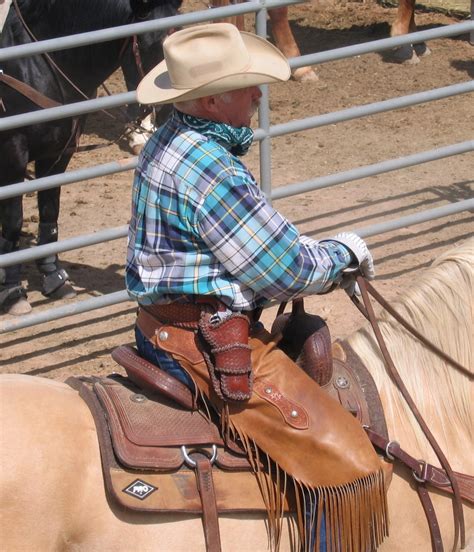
(439, 306)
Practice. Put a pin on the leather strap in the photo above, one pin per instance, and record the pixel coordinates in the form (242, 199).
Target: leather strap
(210, 519)
(29, 92)
(393, 372)
(422, 471)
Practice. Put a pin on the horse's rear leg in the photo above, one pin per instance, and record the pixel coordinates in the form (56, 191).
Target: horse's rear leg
(12, 294)
(54, 278)
(405, 23)
(13, 161)
(286, 42)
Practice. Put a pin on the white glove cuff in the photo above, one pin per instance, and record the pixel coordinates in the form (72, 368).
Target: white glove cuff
(359, 249)
(356, 245)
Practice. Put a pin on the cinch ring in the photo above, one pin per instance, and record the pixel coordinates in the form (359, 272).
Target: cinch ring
(387, 450)
(191, 462)
(416, 476)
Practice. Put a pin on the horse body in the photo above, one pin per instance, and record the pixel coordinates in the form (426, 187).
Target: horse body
(50, 145)
(52, 492)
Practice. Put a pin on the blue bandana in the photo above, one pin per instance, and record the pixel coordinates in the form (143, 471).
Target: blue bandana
(235, 140)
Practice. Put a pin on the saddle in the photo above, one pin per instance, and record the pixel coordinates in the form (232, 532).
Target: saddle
(162, 453)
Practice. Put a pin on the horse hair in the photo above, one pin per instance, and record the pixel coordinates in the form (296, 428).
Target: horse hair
(438, 304)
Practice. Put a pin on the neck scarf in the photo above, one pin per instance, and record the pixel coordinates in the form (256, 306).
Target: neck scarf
(235, 140)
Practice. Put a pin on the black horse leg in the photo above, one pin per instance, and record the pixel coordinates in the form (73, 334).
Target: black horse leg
(13, 161)
(11, 290)
(55, 279)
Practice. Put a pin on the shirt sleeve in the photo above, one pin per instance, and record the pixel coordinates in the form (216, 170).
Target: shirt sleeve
(261, 248)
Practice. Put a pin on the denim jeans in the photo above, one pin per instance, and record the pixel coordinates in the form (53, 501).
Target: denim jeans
(161, 359)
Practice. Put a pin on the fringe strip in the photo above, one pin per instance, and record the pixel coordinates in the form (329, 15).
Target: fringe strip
(354, 516)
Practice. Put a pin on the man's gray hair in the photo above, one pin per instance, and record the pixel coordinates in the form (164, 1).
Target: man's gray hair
(190, 106)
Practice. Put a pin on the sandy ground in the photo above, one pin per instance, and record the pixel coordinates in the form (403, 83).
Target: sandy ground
(82, 343)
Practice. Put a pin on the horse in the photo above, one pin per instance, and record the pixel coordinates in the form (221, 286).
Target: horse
(51, 489)
(404, 23)
(60, 78)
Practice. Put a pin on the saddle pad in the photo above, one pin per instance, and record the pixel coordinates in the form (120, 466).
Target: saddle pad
(145, 489)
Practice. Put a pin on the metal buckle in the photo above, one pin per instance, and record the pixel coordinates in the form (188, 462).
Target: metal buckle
(422, 470)
(191, 463)
(387, 449)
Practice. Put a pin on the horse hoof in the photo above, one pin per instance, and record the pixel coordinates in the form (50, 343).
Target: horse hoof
(66, 291)
(305, 74)
(19, 308)
(421, 50)
(404, 54)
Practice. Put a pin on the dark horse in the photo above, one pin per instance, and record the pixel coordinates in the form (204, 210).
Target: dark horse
(51, 145)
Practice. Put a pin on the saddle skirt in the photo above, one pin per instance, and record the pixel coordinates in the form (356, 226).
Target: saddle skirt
(150, 448)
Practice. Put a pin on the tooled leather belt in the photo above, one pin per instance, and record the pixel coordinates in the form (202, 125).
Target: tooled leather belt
(183, 315)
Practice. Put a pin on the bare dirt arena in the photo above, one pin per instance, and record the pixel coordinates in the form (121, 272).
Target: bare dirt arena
(82, 344)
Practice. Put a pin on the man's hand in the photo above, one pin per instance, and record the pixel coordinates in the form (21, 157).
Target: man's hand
(363, 258)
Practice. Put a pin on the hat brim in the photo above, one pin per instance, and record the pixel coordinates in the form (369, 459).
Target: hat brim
(267, 65)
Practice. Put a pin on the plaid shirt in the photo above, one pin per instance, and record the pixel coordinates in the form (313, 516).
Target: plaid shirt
(201, 226)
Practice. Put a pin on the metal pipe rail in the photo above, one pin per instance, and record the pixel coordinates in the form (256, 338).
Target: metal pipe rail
(117, 100)
(383, 44)
(70, 244)
(117, 297)
(124, 31)
(351, 113)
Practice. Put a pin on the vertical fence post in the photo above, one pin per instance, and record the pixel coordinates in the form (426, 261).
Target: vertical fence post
(471, 36)
(264, 115)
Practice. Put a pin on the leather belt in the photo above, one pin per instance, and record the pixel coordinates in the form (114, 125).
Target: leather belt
(181, 315)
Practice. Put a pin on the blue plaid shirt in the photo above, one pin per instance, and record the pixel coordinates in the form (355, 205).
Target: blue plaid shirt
(201, 226)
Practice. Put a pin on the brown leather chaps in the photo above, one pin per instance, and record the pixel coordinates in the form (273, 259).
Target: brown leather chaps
(313, 447)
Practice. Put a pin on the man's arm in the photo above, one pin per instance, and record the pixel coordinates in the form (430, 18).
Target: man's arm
(262, 249)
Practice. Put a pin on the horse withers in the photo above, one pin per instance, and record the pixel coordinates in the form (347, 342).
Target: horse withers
(60, 78)
(52, 495)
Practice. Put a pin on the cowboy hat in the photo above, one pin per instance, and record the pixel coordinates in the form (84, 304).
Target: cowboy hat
(211, 59)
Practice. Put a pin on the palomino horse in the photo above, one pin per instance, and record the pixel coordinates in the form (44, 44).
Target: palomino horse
(52, 494)
(404, 23)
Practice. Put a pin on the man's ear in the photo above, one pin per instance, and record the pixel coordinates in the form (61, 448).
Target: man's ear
(209, 104)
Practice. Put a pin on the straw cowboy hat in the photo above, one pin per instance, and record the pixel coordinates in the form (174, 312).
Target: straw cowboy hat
(210, 59)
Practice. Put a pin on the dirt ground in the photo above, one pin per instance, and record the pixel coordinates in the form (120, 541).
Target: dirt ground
(82, 343)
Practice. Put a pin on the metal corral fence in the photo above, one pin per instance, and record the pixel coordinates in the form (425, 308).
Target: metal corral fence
(263, 134)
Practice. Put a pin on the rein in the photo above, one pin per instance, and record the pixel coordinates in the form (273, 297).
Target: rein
(367, 311)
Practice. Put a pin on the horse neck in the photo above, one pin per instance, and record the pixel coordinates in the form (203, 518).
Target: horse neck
(87, 66)
(439, 307)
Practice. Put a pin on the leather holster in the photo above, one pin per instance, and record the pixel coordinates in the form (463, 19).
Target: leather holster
(227, 355)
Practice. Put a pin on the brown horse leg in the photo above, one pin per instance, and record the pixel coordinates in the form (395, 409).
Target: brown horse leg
(286, 42)
(405, 23)
(237, 20)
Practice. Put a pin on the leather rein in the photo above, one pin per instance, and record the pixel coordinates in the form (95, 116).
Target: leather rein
(423, 472)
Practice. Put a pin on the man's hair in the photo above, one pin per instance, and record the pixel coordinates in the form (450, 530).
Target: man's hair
(190, 106)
